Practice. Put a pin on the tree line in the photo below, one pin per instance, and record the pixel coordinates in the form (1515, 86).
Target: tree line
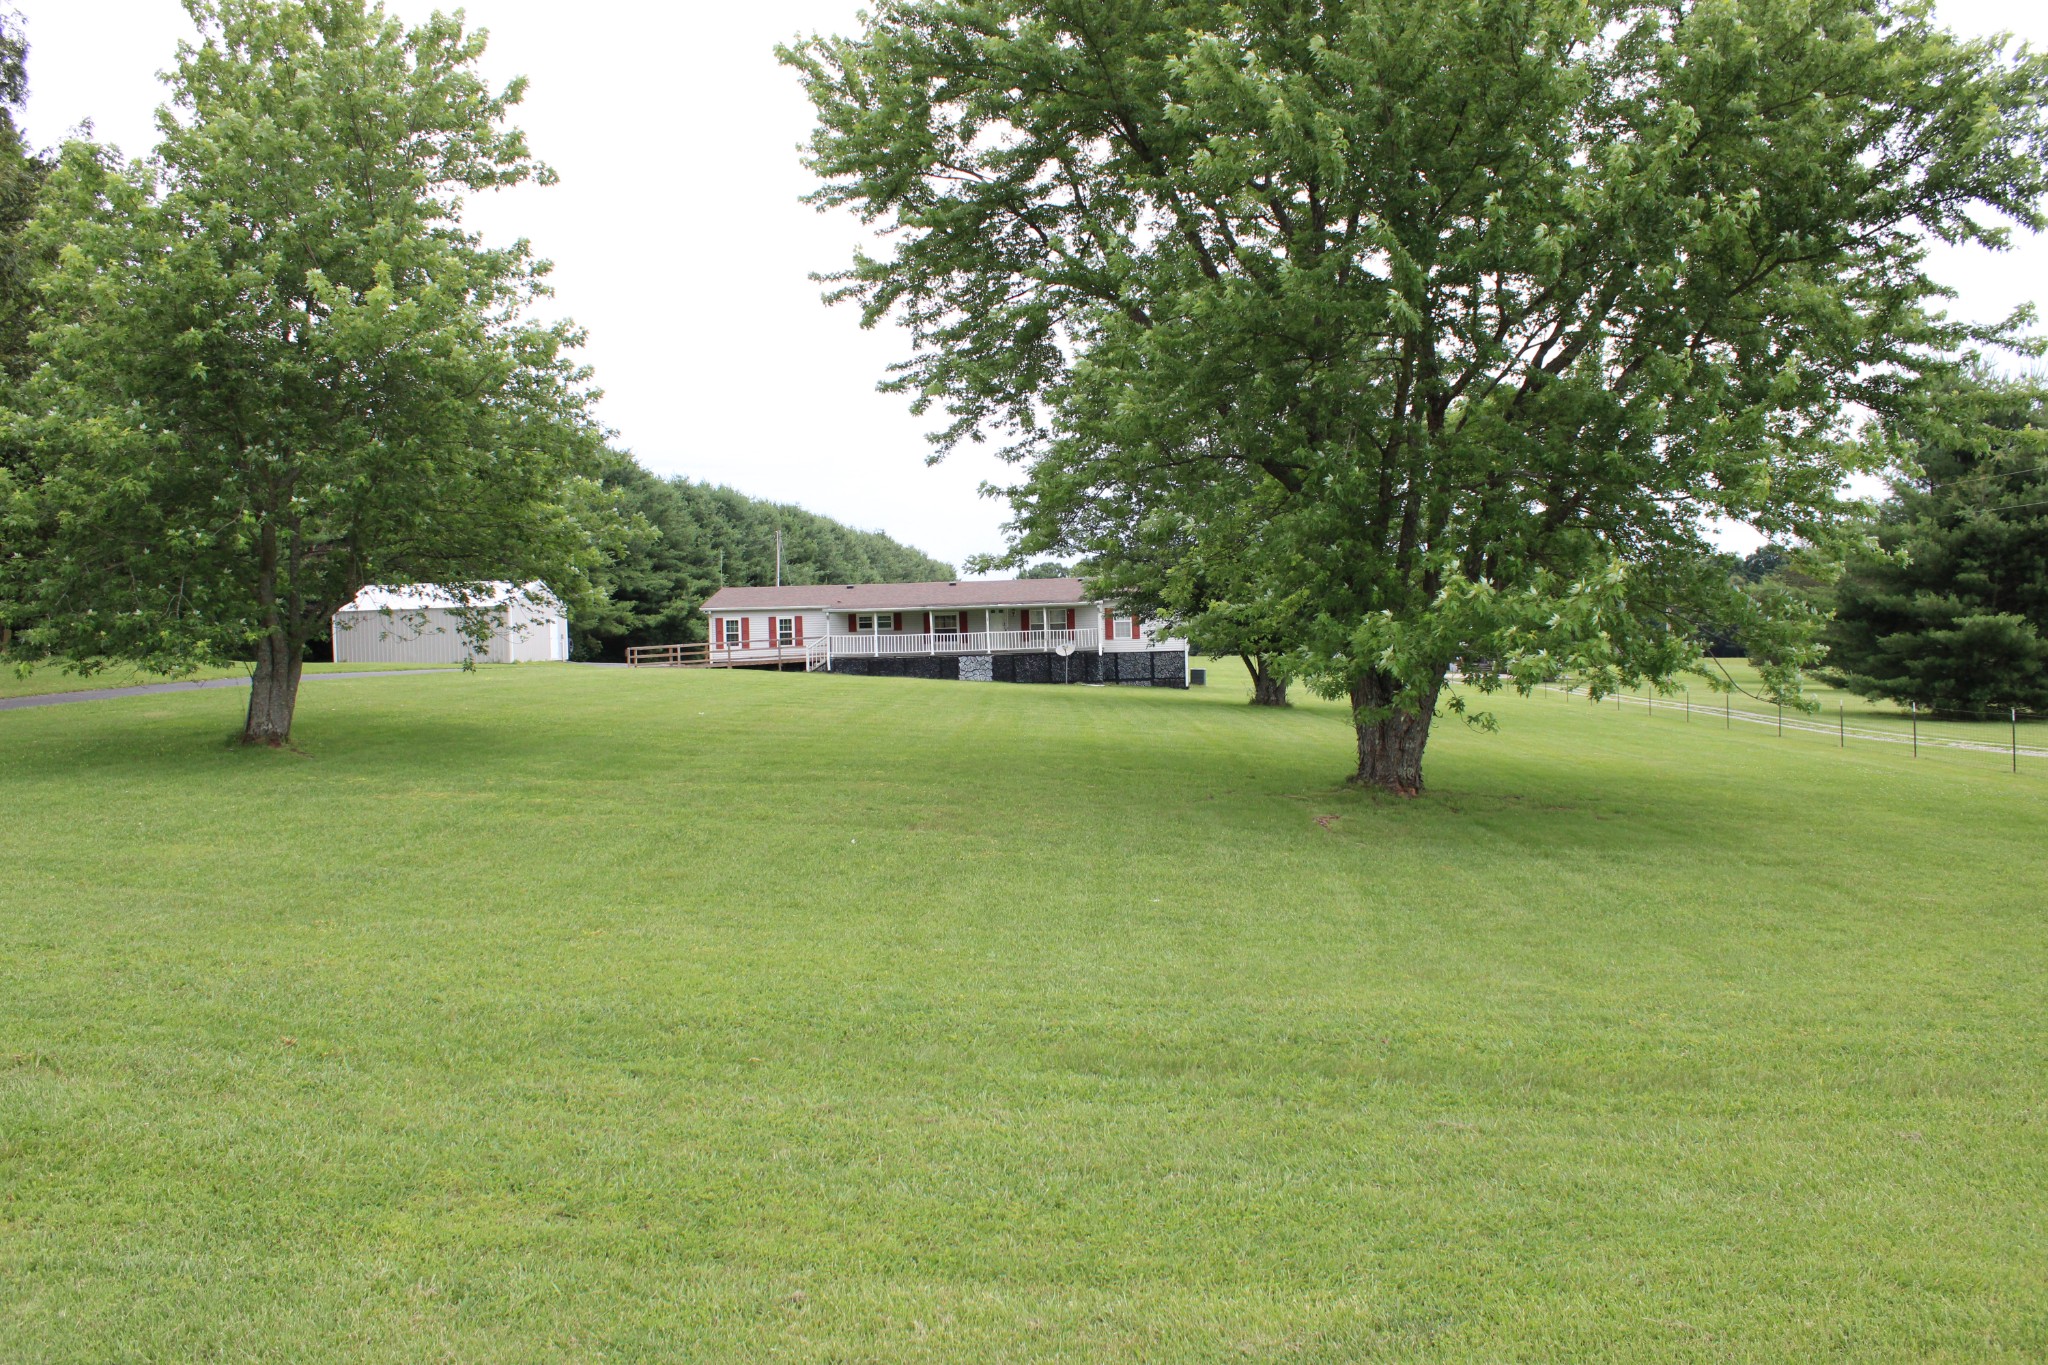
(683, 540)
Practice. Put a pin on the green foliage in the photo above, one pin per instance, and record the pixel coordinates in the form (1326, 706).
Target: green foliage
(689, 539)
(1208, 572)
(1948, 609)
(1051, 568)
(1499, 301)
(694, 1016)
(274, 368)
(21, 176)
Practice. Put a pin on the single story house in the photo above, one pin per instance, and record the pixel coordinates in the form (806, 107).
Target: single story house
(422, 624)
(993, 630)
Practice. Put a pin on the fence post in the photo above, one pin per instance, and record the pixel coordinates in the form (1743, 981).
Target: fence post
(1842, 724)
(2014, 716)
(1916, 728)
(1781, 716)
(1728, 706)
(1688, 705)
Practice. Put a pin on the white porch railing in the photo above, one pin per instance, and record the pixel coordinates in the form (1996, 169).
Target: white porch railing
(962, 642)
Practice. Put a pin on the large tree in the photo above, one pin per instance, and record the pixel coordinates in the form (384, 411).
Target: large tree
(275, 368)
(1502, 298)
(1948, 610)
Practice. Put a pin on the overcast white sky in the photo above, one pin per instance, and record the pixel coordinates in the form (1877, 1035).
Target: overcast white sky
(681, 246)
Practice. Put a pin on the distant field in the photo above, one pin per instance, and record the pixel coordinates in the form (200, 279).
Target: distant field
(586, 1014)
(47, 678)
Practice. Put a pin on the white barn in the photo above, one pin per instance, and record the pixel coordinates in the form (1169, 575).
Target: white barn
(422, 624)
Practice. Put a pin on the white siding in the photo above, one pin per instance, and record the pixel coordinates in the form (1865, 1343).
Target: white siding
(760, 625)
(540, 634)
(429, 636)
(1149, 637)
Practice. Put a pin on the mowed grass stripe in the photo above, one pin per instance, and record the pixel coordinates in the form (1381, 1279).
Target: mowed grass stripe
(580, 1014)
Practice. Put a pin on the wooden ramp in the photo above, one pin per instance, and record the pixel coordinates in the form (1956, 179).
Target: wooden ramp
(703, 655)
(669, 656)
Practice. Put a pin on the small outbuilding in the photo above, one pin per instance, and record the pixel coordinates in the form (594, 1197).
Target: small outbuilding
(423, 623)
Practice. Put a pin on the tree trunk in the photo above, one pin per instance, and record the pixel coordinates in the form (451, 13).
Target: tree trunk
(273, 691)
(1393, 727)
(1267, 690)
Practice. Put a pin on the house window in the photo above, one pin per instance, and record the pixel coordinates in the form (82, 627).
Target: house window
(732, 632)
(868, 624)
(785, 631)
(945, 623)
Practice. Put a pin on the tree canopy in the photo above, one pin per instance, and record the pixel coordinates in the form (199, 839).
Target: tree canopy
(1498, 301)
(22, 171)
(272, 367)
(1949, 609)
(21, 176)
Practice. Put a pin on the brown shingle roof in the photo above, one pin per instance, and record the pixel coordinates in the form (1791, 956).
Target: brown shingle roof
(992, 592)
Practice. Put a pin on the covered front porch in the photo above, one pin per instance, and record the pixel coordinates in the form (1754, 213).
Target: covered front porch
(786, 647)
(1042, 640)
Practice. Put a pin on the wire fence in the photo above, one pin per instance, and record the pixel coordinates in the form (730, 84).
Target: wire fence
(1839, 728)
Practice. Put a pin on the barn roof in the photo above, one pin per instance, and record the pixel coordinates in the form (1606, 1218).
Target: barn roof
(427, 596)
(987, 592)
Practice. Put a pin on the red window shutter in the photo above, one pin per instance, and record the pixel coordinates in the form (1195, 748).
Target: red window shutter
(897, 624)
(718, 630)
(1134, 625)
(799, 630)
(1070, 618)
(1108, 626)
(927, 623)
(745, 621)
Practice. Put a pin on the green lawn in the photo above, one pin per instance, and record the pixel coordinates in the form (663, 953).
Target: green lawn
(42, 679)
(603, 1015)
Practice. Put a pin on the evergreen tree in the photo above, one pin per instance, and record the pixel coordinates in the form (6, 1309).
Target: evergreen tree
(1950, 610)
(22, 173)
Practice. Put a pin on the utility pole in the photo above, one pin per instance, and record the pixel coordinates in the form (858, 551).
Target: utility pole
(778, 556)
